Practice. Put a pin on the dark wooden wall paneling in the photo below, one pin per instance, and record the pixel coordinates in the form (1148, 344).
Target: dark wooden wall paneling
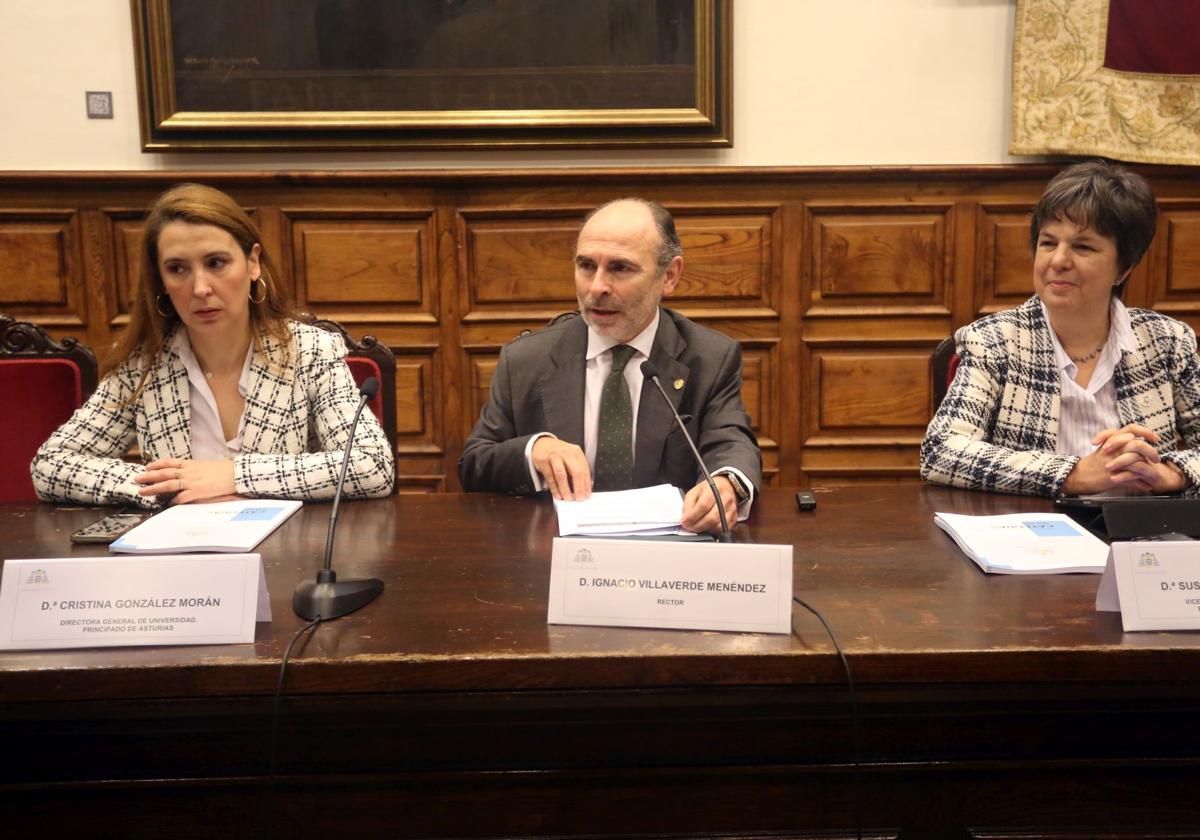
(838, 282)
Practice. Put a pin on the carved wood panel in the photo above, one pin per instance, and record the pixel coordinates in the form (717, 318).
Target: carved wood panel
(124, 228)
(364, 261)
(412, 397)
(34, 263)
(1003, 260)
(727, 260)
(1174, 265)
(759, 395)
(869, 392)
(517, 261)
(39, 266)
(482, 368)
(421, 453)
(879, 255)
(1183, 249)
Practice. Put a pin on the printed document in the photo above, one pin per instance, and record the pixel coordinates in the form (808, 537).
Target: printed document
(235, 527)
(1025, 543)
(646, 511)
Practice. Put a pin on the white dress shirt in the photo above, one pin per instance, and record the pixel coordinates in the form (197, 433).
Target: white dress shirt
(597, 368)
(208, 436)
(1085, 411)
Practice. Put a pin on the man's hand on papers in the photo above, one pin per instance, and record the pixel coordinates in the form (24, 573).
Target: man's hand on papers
(699, 512)
(563, 467)
(189, 481)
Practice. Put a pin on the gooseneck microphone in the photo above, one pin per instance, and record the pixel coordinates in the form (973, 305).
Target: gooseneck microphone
(649, 371)
(327, 597)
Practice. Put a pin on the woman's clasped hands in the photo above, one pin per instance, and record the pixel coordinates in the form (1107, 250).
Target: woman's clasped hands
(189, 481)
(1124, 458)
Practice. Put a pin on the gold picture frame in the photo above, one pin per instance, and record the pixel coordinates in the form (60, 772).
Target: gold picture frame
(303, 75)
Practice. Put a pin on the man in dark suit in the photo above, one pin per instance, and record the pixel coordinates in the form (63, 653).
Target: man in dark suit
(569, 411)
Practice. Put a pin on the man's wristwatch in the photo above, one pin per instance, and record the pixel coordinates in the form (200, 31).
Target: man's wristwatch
(739, 486)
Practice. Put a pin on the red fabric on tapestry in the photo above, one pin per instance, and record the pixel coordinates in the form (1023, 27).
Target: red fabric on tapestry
(41, 394)
(1153, 36)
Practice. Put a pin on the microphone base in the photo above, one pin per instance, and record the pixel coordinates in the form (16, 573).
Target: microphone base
(334, 598)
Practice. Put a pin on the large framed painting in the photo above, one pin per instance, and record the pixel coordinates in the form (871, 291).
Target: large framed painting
(446, 74)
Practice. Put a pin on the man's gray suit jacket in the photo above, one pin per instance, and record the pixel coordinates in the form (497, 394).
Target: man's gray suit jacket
(538, 387)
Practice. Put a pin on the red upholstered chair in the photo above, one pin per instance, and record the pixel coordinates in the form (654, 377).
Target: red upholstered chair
(943, 366)
(43, 382)
(369, 358)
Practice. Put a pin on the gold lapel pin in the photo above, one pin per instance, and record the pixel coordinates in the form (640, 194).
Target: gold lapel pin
(678, 384)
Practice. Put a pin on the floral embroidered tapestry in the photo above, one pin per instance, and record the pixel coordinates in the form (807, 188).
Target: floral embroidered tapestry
(1117, 78)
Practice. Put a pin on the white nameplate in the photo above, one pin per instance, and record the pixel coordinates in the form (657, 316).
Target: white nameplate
(193, 599)
(677, 585)
(1155, 585)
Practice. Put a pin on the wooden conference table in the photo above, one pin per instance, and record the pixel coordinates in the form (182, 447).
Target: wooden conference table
(990, 707)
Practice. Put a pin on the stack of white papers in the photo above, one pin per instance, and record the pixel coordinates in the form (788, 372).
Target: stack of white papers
(235, 527)
(646, 511)
(1025, 543)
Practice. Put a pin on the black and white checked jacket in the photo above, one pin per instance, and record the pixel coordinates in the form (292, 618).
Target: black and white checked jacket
(998, 425)
(294, 429)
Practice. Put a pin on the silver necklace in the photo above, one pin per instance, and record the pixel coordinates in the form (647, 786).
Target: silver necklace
(1088, 357)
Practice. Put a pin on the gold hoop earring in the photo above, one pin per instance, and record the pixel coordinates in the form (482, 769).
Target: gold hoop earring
(264, 290)
(158, 304)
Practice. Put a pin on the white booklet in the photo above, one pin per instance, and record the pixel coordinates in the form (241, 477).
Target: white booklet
(645, 511)
(235, 527)
(1025, 543)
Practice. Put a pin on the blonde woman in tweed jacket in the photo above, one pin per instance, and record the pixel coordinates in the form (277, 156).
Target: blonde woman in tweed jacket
(1071, 393)
(223, 393)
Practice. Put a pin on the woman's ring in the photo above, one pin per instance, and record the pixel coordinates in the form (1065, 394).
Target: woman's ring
(181, 485)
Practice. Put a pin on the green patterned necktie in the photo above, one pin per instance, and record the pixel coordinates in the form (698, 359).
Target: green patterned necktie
(614, 438)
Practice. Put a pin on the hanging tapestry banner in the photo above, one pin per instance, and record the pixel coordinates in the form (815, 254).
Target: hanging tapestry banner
(1117, 78)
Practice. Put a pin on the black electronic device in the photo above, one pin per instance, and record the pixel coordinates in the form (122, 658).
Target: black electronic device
(1132, 519)
(1099, 501)
(103, 531)
(649, 371)
(327, 597)
(805, 500)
